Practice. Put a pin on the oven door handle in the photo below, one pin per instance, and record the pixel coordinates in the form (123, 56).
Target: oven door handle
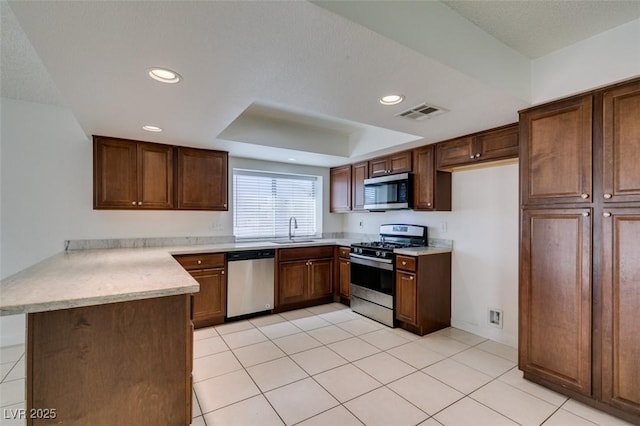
(375, 263)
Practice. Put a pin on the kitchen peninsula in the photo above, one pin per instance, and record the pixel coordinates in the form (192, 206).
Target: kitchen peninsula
(109, 337)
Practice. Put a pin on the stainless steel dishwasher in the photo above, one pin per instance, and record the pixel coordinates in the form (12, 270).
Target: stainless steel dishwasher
(250, 281)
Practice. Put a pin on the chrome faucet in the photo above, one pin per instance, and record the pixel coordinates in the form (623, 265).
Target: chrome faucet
(295, 226)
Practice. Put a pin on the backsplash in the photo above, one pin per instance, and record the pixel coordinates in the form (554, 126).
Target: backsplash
(116, 243)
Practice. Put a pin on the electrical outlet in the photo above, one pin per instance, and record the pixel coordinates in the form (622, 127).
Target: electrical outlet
(495, 317)
(443, 227)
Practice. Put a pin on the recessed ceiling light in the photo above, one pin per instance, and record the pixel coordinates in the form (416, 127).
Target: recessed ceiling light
(152, 128)
(292, 159)
(391, 99)
(164, 75)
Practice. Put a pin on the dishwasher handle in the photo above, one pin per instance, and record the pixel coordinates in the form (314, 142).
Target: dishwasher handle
(234, 256)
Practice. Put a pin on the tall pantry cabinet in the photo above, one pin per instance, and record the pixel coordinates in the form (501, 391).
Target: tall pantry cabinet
(580, 247)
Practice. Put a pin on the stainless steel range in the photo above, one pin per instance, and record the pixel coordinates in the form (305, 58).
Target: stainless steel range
(373, 270)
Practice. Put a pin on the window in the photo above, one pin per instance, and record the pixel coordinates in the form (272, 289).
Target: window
(263, 202)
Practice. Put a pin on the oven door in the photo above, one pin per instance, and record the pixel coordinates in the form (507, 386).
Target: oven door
(372, 273)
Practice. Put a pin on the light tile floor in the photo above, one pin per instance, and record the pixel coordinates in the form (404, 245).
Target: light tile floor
(327, 365)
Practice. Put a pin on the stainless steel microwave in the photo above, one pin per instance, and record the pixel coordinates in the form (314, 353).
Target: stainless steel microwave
(389, 192)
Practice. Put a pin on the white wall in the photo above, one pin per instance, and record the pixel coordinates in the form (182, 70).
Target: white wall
(605, 58)
(483, 225)
(46, 196)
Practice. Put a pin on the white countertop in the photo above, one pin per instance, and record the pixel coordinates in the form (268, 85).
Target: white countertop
(94, 277)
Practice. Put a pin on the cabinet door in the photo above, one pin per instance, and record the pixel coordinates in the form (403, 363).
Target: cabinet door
(620, 307)
(344, 266)
(115, 174)
(202, 179)
(359, 172)
(556, 153)
(400, 162)
(292, 282)
(406, 297)
(378, 167)
(340, 189)
(155, 176)
(209, 304)
(555, 296)
(320, 278)
(497, 144)
(621, 127)
(455, 152)
(423, 181)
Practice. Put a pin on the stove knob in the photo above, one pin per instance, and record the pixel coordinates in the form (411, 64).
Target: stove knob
(378, 253)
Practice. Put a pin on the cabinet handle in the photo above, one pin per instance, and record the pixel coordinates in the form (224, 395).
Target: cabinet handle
(404, 263)
(133, 203)
(224, 205)
(606, 214)
(221, 272)
(607, 196)
(411, 277)
(478, 155)
(585, 214)
(199, 262)
(429, 204)
(472, 157)
(584, 196)
(139, 203)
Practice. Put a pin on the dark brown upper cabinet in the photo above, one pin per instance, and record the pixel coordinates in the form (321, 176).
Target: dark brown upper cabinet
(556, 152)
(431, 187)
(143, 175)
(399, 162)
(340, 189)
(359, 172)
(132, 175)
(202, 179)
(496, 144)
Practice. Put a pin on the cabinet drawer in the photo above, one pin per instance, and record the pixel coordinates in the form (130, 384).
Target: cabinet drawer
(343, 252)
(406, 263)
(200, 261)
(306, 253)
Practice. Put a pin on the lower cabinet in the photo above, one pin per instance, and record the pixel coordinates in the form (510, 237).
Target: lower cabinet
(620, 307)
(423, 292)
(344, 272)
(304, 277)
(210, 303)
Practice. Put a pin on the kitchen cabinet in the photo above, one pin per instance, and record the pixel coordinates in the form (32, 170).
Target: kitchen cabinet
(399, 162)
(555, 296)
(556, 156)
(304, 277)
(359, 172)
(340, 189)
(431, 187)
(579, 245)
(621, 143)
(209, 304)
(423, 292)
(202, 179)
(344, 272)
(620, 305)
(132, 175)
(491, 145)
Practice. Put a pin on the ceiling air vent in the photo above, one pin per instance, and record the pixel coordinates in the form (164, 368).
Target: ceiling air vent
(422, 112)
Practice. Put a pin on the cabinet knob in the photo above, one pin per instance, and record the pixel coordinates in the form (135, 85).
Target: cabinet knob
(199, 262)
(139, 203)
(607, 196)
(404, 263)
(348, 263)
(584, 196)
(224, 205)
(221, 272)
(606, 214)
(411, 277)
(472, 157)
(133, 203)
(478, 155)
(585, 214)
(429, 204)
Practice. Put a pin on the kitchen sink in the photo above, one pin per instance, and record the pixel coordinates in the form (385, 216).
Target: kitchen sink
(293, 241)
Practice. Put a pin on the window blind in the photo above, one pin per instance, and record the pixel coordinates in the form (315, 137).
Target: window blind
(263, 202)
